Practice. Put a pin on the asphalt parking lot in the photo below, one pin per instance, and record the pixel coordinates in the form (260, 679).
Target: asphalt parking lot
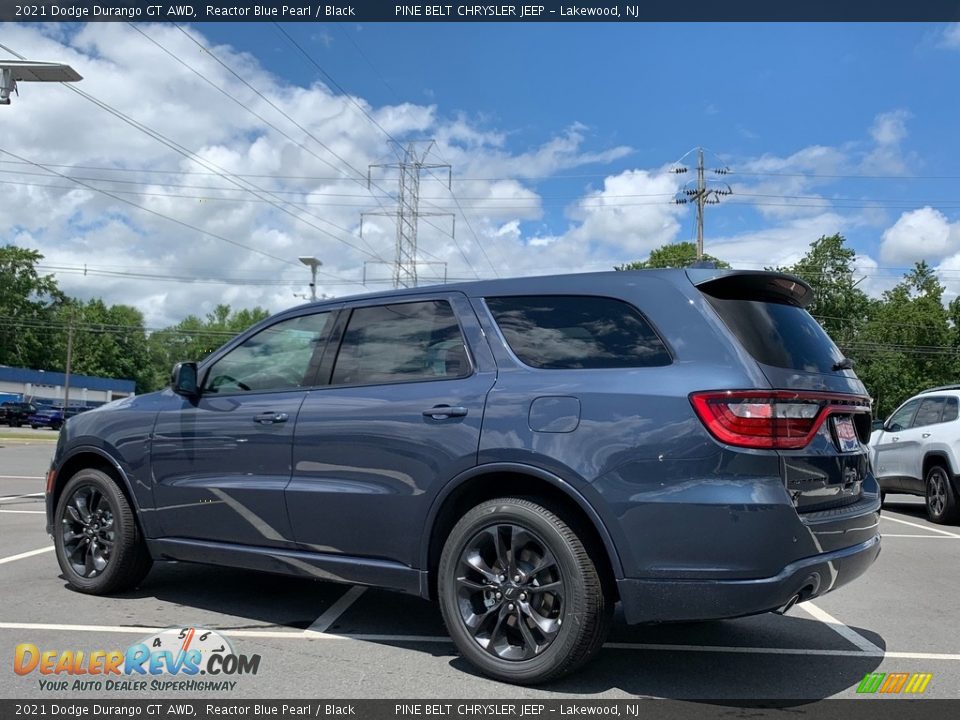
(324, 640)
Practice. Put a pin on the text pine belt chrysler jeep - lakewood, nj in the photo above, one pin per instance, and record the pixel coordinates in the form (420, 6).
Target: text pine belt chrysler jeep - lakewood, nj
(528, 452)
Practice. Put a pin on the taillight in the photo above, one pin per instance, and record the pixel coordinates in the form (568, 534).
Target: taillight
(775, 419)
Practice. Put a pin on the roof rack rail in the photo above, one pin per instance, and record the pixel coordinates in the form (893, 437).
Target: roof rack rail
(938, 389)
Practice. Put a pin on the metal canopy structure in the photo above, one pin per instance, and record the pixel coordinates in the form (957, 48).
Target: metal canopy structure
(17, 71)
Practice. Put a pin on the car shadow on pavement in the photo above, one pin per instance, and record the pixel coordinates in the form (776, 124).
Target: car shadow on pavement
(782, 660)
(226, 598)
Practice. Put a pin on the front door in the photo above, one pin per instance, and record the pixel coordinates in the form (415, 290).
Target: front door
(221, 462)
(890, 460)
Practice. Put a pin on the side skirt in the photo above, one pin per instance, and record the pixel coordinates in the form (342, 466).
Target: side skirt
(319, 566)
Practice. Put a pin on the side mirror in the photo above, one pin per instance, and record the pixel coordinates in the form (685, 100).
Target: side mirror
(893, 427)
(877, 425)
(183, 379)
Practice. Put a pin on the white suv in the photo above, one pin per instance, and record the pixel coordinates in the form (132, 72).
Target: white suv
(917, 451)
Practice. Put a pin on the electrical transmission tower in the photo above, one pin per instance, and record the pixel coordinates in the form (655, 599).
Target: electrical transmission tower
(703, 194)
(408, 213)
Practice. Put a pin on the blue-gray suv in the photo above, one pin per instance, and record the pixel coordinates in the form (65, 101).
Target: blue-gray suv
(528, 452)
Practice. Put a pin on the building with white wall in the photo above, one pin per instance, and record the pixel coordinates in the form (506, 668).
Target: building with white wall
(48, 387)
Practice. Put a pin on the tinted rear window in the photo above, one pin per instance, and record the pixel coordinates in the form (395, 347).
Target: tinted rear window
(778, 334)
(577, 332)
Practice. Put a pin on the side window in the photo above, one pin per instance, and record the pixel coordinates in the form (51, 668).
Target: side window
(401, 342)
(577, 332)
(950, 410)
(902, 418)
(283, 356)
(929, 412)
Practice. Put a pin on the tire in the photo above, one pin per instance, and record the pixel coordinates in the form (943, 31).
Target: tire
(941, 501)
(104, 569)
(883, 498)
(35, 427)
(527, 635)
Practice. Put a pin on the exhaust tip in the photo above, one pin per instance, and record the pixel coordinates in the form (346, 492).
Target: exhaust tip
(789, 604)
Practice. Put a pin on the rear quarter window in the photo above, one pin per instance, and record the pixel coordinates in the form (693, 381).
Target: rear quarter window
(577, 332)
(778, 334)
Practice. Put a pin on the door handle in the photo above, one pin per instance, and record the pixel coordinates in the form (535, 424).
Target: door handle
(271, 418)
(925, 435)
(896, 439)
(444, 412)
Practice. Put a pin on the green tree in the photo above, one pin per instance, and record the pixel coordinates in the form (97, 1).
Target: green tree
(108, 341)
(838, 304)
(906, 344)
(194, 338)
(672, 255)
(27, 303)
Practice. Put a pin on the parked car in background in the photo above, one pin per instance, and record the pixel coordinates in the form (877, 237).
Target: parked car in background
(917, 451)
(528, 452)
(16, 413)
(52, 417)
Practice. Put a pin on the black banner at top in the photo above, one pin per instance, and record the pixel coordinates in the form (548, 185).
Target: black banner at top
(503, 11)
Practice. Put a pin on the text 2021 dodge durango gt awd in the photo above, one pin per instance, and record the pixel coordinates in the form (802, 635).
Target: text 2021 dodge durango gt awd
(527, 452)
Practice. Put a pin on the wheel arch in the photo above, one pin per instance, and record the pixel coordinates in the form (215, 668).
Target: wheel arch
(941, 457)
(493, 480)
(92, 458)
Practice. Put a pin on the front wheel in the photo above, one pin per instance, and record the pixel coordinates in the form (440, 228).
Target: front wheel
(941, 500)
(99, 546)
(520, 593)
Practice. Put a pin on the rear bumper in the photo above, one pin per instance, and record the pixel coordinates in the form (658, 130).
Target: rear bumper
(666, 600)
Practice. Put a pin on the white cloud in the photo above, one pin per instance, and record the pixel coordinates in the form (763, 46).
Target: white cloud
(777, 245)
(290, 201)
(888, 131)
(923, 234)
(951, 36)
(633, 213)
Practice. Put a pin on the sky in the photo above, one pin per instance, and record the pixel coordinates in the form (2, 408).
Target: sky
(245, 146)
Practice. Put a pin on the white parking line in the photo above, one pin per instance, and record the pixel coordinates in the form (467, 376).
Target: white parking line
(362, 637)
(21, 497)
(329, 617)
(21, 477)
(890, 535)
(24, 512)
(838, 627)
(29, 553)
(918, 525)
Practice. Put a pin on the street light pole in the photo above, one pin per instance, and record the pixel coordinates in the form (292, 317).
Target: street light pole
(312, 263)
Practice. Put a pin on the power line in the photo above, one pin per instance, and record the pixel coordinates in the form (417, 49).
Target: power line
(396, 143)
(159, 214)
(370, 250)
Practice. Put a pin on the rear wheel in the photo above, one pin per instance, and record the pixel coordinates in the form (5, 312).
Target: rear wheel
(941, 500)
(99, 546)
(520, 594)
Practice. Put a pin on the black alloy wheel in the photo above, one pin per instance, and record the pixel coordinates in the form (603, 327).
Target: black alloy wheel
(510, 592)
(99, 545)
(521, 590)
(89, 535)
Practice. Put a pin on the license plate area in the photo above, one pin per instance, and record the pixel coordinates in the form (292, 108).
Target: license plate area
(845, 434)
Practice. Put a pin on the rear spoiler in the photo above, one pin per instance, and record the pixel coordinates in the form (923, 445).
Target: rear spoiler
(752, 285)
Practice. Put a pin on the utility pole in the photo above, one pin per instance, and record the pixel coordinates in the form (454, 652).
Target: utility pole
(66, 381)
(702, 195)
(407, 213)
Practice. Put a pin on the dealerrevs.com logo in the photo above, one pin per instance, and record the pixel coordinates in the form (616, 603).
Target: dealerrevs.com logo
(172, 660)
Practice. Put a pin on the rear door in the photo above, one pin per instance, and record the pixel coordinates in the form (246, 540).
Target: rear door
(221, 462)
(400, 417)
(766, 313)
